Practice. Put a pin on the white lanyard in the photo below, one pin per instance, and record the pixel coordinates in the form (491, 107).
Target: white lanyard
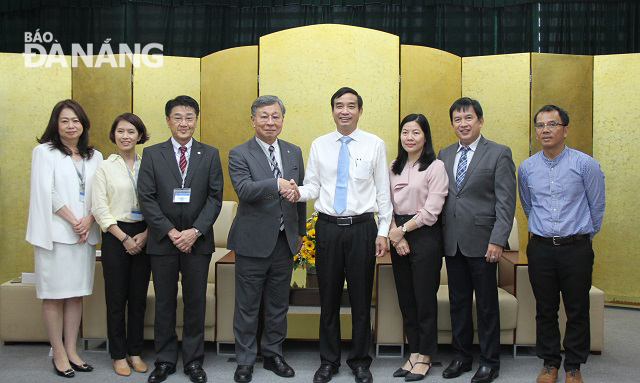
(136, 170)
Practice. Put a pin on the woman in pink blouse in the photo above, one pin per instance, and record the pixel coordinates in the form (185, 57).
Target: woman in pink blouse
(419, 185)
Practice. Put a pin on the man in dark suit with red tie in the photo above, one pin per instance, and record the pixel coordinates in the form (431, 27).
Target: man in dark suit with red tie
(180, 193)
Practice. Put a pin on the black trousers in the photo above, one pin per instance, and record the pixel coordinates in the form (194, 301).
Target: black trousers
(266, 280)
(195, 272)
(345, 250)
(466, 275)
(417, 277)
(567, 270)
(126, 280)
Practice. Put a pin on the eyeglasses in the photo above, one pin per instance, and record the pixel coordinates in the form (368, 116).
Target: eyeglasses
(551, 125)
(179, 120)
(263, 118)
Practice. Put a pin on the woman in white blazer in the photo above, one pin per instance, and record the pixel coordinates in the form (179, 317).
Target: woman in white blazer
(62, 229)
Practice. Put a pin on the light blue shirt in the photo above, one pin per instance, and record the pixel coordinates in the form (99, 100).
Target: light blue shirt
(563, 196)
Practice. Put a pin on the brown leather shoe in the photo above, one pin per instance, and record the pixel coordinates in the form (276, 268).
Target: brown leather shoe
(138, 366)
(123, 371)
(549, 374)
(573, 376)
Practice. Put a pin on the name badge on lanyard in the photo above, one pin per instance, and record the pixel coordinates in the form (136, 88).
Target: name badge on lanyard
(81, 182)
(182, 194)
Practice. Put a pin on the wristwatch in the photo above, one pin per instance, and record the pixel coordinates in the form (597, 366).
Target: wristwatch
(404, 229)
(198, 233)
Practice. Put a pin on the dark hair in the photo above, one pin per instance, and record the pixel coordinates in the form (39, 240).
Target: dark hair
(344, 90)
(426, 157)
(133, 120)
(564, 116)
(181, 101)
(463, 104)
(52, 136)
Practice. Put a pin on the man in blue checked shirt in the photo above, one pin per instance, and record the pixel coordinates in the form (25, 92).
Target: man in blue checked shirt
(562, 194)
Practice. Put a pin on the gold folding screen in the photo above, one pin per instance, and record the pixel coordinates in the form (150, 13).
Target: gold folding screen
(104, 94)
(430, 83)
(229, 81)
(153, 87)
(27, 96)
(565, 81)
(304, 66)
(616, 110)
(501, 85)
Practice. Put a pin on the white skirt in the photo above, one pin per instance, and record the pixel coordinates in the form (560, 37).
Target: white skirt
(64, 272)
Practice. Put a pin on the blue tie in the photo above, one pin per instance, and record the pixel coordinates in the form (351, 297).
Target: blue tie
(462, 166)
(340, 199)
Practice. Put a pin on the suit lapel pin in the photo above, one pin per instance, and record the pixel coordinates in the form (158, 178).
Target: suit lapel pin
(198, 152)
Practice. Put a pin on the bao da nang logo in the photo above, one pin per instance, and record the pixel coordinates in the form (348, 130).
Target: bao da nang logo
(140, 55)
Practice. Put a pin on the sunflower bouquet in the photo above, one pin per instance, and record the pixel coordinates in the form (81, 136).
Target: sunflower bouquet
(306, 258)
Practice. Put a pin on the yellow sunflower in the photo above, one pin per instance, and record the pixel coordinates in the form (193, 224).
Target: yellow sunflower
(309, 245)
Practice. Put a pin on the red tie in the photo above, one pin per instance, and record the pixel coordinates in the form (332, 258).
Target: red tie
(183, 159)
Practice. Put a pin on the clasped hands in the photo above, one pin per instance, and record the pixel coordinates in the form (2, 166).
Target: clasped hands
(184, 239)
(82, 227)
(134, 245)
(289, 190)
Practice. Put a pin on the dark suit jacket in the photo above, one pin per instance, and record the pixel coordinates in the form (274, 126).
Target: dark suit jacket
(482, 211)
(159, 176)
(256, 225)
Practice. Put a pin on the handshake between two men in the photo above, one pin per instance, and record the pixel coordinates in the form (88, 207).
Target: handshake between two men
(289, 190)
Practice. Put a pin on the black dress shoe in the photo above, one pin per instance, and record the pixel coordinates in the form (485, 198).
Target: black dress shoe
(243, 373)
(485, 375)
(81, 368)
(325, 373)
(278, 365)
(363, 375)
(65, 374)
(196, 373)
(411, 377)
(161, 372)
(455, 369)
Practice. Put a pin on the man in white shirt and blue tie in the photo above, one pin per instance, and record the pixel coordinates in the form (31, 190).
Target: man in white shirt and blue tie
(347, 175)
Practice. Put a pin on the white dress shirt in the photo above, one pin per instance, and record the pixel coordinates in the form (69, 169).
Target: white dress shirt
(276, 153)
(472, 150)
(368, 187)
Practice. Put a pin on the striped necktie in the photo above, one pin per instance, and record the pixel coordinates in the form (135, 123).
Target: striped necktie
(276, 174)
(462, 166)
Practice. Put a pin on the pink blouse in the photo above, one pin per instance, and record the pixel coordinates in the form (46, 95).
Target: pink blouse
(419, 192)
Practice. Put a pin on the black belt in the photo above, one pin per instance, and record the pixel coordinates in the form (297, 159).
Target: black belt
(346, 221)
(556, 241)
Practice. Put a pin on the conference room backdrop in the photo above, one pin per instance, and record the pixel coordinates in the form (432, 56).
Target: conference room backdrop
(304, 66)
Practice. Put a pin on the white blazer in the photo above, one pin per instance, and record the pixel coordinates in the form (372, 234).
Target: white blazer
(50, 169)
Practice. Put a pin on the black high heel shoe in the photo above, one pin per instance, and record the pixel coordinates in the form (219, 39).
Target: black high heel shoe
(65, 374)
(81, 368)
(411, 377)
(401, 372)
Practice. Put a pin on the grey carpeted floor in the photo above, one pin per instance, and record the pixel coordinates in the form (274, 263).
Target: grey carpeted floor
(29, 363)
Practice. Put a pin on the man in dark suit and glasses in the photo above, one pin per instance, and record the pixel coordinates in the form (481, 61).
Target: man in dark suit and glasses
(266, 232)
(180, 193)
(476, 222)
